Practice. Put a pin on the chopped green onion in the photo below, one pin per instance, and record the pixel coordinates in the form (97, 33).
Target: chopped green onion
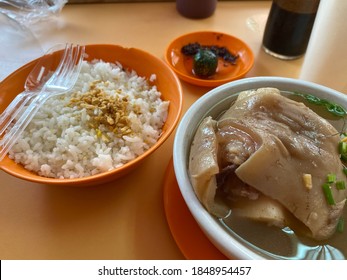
(343, 157)
(313, 99)
(340, 185)
(331, 178)
(341, 225)
(333, 108)
(328, 194)
(342, 148)
(340, 111)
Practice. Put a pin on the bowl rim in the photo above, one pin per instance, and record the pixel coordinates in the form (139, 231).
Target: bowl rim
(213, 82)
(229, 246)
(85, 181)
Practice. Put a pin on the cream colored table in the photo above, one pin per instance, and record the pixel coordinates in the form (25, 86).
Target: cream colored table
(124, 219)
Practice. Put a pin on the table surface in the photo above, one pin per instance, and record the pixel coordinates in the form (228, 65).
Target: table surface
(123, 219)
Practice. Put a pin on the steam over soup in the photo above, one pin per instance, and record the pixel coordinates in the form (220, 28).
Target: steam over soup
(271, 159)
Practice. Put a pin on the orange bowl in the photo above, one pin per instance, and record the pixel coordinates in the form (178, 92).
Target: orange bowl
(145, 65)
(226, 72)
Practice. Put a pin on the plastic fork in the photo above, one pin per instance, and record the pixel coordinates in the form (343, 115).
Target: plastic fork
(61, 81)
(33, 85)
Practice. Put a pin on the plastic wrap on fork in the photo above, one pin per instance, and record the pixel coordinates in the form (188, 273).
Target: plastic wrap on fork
(31, 11)
(18, 45)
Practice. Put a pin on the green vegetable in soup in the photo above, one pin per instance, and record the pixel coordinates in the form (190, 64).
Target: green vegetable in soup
(331, 107)
(205, 63)
(328, 194)
(340, 225)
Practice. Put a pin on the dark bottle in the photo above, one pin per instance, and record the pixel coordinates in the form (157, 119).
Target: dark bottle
(196, 8)
(289, 27)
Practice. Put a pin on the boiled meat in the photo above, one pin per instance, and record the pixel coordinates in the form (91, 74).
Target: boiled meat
(273, 144)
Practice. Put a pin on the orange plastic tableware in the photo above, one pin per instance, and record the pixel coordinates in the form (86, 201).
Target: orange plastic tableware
(145, 65)
(226, 72)
(190, 239)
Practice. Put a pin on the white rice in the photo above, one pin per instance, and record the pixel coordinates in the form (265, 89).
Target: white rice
(60, 143)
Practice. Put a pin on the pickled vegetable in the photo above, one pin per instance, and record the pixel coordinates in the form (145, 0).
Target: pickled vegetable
(205, 63)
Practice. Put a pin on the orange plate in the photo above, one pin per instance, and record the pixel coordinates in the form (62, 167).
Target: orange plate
(145, 65)
(191, 240)
(226, 72)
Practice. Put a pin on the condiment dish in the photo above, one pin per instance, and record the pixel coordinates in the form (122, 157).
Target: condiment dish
(226, 72)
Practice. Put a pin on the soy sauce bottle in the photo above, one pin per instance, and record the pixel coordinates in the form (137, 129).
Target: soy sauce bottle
(288, 27)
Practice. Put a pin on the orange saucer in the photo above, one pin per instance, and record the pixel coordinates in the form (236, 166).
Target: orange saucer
(190, 239)
(225, 71)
